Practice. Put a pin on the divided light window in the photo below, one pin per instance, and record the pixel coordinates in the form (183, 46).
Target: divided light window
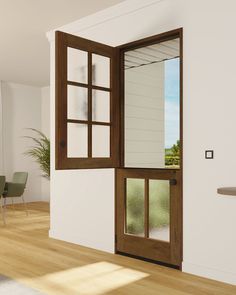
(86, 104)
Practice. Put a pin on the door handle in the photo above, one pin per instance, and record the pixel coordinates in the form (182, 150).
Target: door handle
(173, 181)
(62, 144)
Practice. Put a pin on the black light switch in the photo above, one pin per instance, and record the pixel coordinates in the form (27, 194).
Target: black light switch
(209, 154)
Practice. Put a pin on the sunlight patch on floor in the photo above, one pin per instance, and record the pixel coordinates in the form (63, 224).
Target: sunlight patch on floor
(93, 279)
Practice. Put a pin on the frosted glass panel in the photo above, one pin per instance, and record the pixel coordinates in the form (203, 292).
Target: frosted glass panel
(101, 106)
(159, 210)
(135, 206)
(77, 103)
(101, 70)
(77, 140)
(101, 141)
(77, 65)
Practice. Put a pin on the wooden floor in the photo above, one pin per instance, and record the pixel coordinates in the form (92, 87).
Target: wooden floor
(56, 267)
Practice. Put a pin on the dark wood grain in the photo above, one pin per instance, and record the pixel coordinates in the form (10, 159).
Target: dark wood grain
(146, 208)
(168, 252)
(90, 107)
(63, 41)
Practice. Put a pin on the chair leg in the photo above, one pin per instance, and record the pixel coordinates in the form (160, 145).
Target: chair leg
(26, 210)
(12, 201)
(5, 206)
(3, 211)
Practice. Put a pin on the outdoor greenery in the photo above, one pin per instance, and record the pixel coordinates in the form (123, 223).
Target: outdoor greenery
(158, 205)
(158, 198)
(172, 155)
(40, 152)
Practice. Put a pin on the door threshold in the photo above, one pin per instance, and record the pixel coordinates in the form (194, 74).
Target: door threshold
(149, 260)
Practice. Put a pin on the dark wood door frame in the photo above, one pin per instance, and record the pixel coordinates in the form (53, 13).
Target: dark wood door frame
(177, 257)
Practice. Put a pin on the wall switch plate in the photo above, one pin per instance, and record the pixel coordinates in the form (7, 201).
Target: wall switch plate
(209, 154)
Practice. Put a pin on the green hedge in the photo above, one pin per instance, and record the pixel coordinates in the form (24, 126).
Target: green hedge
(171, 160)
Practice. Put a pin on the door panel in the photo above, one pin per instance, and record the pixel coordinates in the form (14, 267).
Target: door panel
(159, 209)
(149, 186)
(135, 206)
(149, 214)
(87, 100)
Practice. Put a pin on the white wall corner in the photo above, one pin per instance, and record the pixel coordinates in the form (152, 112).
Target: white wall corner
(116, 11)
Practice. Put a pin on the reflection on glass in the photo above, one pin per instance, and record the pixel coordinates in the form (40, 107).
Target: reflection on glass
(152, 98)
(77, 140)
(135, 206)
(77, 103)
(101, 70)
(100, 141)
(101, 106)
(77, 65)
(159, 210)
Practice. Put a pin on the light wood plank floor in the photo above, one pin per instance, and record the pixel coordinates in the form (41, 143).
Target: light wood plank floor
(60, 268)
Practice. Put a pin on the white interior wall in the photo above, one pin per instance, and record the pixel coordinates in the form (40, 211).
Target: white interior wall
(209, 123)
(1, 133)
(21, 109)
(145, 116)
(45, 128)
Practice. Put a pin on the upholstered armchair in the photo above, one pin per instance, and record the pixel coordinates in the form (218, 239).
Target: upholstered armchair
(16, 188)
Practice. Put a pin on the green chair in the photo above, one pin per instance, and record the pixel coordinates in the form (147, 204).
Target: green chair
(2, 189)
(16, 188)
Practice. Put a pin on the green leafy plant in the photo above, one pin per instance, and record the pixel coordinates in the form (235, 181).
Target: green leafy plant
(176, 149)
(172, 155)
(40, 152)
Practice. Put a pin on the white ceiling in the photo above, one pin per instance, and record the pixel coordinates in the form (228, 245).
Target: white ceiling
(24, 49)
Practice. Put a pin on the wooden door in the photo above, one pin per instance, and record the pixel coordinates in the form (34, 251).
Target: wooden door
(149, 235)
(149, 184)
(87, 100)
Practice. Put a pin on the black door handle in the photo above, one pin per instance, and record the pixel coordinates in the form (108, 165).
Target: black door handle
(173, 181)
(62, 144)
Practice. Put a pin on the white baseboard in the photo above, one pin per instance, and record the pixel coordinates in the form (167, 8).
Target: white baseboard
(210, 273)
(76, 241)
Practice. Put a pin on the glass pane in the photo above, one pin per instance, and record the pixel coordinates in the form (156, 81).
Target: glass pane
(101, 106)
(101, 70)
(101, 141)
(77, 140)
(135, 206)
(77, 103)
(152, 98)
(77, 65)
(159, 210)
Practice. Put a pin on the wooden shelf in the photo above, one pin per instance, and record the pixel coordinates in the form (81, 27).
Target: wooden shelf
(230, 191)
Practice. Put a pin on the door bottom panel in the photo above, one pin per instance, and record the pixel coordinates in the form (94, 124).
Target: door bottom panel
(144, 213)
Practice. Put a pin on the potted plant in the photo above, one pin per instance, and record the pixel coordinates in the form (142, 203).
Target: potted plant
(40, 152)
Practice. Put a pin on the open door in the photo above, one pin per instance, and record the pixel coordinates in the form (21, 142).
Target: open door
(149, 184)
(122, 108)
(87, 122)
